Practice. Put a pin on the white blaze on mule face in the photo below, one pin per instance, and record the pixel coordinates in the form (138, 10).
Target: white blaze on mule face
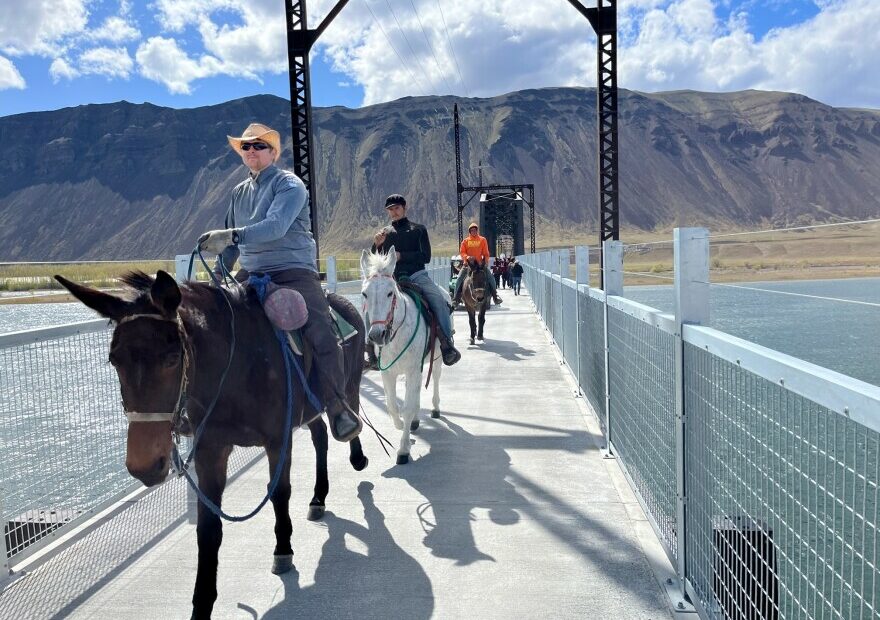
(400, 336)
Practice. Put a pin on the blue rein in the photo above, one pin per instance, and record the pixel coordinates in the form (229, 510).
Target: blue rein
(260, 285)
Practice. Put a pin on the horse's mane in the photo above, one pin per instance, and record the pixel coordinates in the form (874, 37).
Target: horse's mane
(378, 263)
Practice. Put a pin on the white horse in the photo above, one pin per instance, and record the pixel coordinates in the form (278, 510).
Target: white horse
(399, 333)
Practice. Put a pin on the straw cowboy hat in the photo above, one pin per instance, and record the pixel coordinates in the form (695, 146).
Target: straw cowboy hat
(254, 132)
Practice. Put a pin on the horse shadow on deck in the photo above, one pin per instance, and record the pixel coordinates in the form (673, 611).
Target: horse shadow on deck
(475, 471)
(506, 349)
(463, 474)
(349, 584)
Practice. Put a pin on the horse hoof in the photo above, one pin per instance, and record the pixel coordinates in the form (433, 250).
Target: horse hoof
(472, 341)
(435, 413)
(414, 424)
(360, 465)
(316, 513)
(402, 459)
(281, 564)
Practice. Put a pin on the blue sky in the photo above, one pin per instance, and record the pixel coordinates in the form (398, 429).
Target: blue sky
(187, 53)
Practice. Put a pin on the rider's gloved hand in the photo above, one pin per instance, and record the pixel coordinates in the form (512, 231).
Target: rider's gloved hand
(216, 241)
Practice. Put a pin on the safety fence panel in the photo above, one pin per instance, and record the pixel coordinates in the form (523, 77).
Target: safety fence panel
(782, 473)
(62, 430)
(63, 436)
(569, 337)
(591, 351)
(641, 356)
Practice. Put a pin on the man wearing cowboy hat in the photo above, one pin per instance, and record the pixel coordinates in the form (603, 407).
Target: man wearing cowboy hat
(268, 229)
(413, 247)
(475, 246)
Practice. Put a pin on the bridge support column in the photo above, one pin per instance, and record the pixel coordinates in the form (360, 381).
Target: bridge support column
(331, 274)
(612, 282)
(691, 263)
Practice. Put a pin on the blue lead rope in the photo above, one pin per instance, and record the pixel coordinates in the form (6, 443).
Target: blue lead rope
(259, 284)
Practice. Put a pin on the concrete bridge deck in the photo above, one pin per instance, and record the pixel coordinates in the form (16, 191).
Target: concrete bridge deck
(507, 510)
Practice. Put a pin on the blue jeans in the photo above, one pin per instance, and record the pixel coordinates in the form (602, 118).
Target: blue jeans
(435, 298)
(514, 283)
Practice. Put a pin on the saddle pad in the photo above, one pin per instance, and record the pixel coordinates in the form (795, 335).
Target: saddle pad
(295, 340)
(344, 329)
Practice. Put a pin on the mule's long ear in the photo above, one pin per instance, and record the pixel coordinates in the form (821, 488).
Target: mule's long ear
(165, 294)
(365, 264)
(392, 259)
(105, 304)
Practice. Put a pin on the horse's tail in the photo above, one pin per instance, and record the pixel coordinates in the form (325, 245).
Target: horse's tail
(352, 349)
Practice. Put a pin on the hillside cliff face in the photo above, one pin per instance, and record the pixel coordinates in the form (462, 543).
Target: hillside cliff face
(140, 181)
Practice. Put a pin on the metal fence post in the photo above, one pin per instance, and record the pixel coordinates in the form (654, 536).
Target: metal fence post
(181, 266)
(581, 276)
(582, 264)
(4, 552)
(691, 263)
(612, 279)
(331, 274)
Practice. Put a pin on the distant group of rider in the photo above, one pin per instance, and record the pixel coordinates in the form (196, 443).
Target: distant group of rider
(268, 230)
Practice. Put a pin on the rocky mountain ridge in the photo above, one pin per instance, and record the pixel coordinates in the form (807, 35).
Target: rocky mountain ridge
(139, 181)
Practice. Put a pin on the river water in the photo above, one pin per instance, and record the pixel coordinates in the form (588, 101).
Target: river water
(840, 336)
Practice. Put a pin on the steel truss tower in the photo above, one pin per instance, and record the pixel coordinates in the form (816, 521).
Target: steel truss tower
(603, 19)
(299, 42)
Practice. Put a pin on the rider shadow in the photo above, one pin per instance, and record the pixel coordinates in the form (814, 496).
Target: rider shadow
(507, 349)
(474, 477)
(349, 584)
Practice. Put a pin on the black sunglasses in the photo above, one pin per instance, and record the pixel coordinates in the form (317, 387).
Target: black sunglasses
(257, 146)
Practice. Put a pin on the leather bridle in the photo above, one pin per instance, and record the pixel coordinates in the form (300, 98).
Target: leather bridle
(388, 321)
(177, 415)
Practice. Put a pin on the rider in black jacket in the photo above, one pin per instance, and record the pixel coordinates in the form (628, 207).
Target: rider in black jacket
(410, 241)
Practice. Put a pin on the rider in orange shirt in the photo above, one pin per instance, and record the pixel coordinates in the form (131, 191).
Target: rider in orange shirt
(475, 246)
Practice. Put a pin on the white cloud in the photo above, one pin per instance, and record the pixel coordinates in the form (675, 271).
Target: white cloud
(61, 69)
(161, 60)
(831, 57)
(106, 61)
(115, 29)
(38, 26)
(9, 75)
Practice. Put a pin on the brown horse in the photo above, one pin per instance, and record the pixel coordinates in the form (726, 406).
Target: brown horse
(476, 301)
(170, 347)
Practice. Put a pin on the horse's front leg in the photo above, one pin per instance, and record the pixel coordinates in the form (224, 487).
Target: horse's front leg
(482, 322)
(437, 372)
(318, 431)
(473, 323)
(211, 471)
(389, 381)
(282, 559)
(410, 410)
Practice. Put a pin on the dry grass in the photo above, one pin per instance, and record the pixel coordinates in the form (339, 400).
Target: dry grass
(851, 251)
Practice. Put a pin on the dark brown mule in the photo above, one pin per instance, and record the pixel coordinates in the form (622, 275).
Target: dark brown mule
(475, 298)
(164, 333)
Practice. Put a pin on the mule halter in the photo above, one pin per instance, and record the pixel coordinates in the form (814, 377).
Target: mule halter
(388, 321)
(179, 411)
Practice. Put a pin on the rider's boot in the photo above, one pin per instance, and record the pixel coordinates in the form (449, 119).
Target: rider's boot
(450, 354)
(496, 298)
(344, 424)
(372, 362)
